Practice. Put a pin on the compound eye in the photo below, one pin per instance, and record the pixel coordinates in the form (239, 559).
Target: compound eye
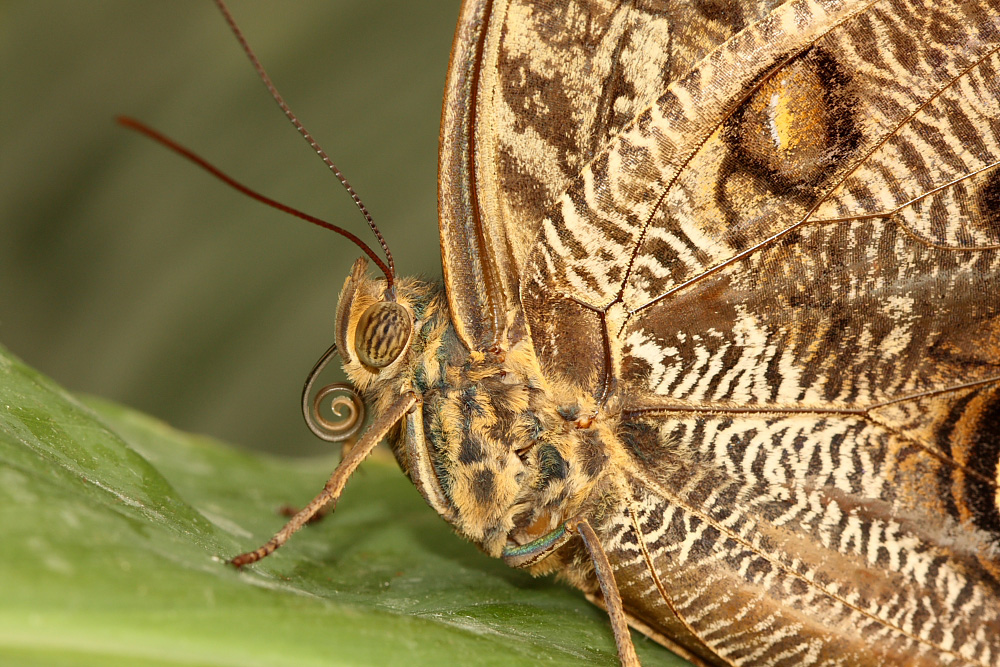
(382, 334)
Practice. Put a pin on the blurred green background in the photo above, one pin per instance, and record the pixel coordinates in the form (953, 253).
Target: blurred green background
(129, 273)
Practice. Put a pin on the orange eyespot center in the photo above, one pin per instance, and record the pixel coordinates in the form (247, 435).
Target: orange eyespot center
(382, 333)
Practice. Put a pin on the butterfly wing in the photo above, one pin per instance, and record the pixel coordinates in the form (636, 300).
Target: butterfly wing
(535, 90)
(787, 242)
(792, 258)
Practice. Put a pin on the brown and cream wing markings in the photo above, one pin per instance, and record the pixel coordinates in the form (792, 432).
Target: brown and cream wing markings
(535, 91)
(769, 244)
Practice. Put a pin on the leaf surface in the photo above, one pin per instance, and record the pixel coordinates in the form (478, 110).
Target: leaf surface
(113, 523)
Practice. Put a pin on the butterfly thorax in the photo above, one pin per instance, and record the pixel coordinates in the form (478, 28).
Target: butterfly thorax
(510, 455)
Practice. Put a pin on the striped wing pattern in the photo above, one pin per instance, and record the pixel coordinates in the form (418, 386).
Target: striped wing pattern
(767, 242)
(537, 89)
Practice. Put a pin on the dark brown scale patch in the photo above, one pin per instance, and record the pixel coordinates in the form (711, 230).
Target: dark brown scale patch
(635, 369)
(902, 45)
(757, 570)
(939, 143)
(551, 465)
(569, 412)
(722, 12)
(471, 450)
(505, 418)
(576, 250)
(539, 103)
(979, 428)
(592, 455)
(607, 121)
(642, 440)
(988, 203)
(559, 325)
(960, 125)
(483, 486)
(521, 186)
(944, 29)
(914, 160)
(948, 441)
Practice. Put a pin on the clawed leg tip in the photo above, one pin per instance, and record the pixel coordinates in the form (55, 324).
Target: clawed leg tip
(238, 562)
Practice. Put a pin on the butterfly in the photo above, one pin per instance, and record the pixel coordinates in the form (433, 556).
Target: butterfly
(719, 334)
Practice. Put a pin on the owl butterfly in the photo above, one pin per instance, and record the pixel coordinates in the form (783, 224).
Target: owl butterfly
(719, 335)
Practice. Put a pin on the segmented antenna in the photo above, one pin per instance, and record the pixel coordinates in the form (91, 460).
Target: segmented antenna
(166, 141)
(391, 272)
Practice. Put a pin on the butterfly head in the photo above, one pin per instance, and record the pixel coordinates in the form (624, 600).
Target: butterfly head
(374, 329)
(495, 449)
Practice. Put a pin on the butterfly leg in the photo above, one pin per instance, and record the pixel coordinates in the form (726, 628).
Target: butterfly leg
(331, 492)
(528, 554)
(638, 624)
(291, 510)
(609, 589)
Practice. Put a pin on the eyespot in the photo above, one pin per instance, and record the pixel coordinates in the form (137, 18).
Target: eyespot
(382, 333)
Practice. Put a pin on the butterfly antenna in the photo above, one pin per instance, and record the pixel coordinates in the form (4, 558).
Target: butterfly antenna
(166, 141)
(390, 274)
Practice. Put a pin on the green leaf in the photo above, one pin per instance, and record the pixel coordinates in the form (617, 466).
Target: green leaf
(113, 526)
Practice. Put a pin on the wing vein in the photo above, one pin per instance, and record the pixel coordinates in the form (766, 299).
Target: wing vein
(671, 497)
(805, 218)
